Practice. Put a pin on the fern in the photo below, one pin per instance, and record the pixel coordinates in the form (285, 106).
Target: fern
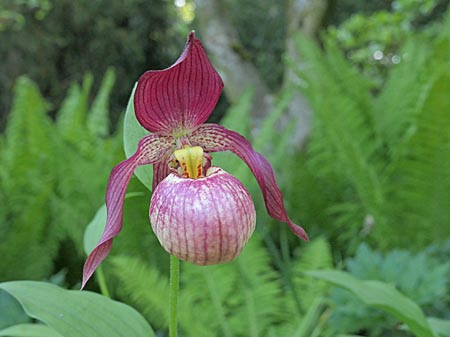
(381, 159)
(396, 107)
(257, 292)
(71, 118)
(241, 298)
(343, 147)
(148, 289)
(24, 217)
(315, 256)
(209, 288)
(145, 286)
(421, 174)
(53, 175)
(97, 120)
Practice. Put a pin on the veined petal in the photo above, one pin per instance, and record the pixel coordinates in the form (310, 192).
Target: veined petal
(151, 149)
(160, 171)
(214, 138)
(180, 97)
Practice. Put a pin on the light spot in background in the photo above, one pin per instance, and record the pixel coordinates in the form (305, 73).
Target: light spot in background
(378, 55)
(185, 10)
(396, 59)
(180, 3)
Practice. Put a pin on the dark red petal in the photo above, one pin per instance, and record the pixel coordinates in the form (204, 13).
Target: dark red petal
(150, 150)
(180, 97)
(213, 138)
(160, 171)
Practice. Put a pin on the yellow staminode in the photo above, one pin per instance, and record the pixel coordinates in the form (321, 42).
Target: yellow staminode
(191, 161)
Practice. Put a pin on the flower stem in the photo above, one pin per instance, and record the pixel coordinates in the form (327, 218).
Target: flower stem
(102, 282)
(173, 295)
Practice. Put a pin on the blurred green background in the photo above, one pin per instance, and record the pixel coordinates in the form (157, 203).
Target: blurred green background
(349, 100)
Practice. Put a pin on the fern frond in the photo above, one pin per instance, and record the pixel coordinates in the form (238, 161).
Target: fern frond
(147, 288)
(210, 288)
(28, 136)
(398, 104)
(421, 175)
(71, 117)
(351, 82)
(343, 145)
(315, 256)
(27, 183)
(257, 297)
(98, 119)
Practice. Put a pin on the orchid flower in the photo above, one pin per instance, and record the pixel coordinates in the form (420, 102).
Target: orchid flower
(199, 212)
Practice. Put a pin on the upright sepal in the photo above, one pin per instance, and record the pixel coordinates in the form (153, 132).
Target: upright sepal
(214, 138)
(151, 149)
(180, 97)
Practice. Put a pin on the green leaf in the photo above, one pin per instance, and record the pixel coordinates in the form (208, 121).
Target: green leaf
(132, 134)
(95, 228)
(440, 327)
(29, 330)
(75, 313)
(11, 311)
(382, 296)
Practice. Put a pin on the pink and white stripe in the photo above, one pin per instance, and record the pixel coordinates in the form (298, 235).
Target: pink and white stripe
(203, 221)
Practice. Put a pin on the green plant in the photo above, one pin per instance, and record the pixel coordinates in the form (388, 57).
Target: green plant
(419, 276)
(56, 42)
(243, 298)
(373, 42)
(249, 287)
(385, 297)
(384, 156)
(71, 313)
(52, 176)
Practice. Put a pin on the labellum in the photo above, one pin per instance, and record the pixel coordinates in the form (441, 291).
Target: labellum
(201, 218)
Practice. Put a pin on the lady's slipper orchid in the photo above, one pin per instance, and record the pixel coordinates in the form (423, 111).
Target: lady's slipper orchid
(199, 212)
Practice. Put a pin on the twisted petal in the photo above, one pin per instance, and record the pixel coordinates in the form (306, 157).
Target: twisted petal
(160, 171)
(151, 149)
(180, 97)
(214, 138)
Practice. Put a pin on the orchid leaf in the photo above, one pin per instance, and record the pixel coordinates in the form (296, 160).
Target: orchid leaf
(382, 296)
(95, 228)
(132, 134)
(440, 327)
(11, 311)
(74, 313)
(29, 330)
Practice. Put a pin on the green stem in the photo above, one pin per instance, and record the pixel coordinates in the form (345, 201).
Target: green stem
(102, 282)
(173, 296)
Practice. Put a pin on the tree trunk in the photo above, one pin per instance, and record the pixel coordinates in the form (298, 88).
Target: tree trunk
(222, 42)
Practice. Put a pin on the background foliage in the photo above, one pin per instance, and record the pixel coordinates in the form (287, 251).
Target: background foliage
(47, 190)
(57, 42)
(371, 186)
